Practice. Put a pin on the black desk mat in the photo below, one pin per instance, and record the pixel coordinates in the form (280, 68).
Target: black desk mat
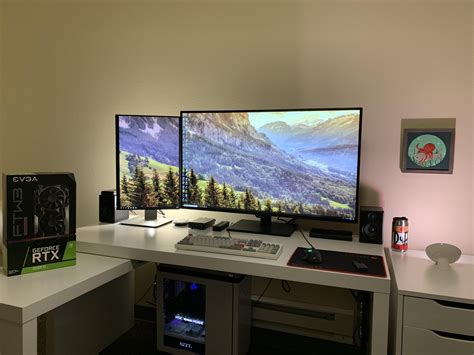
(341, 262)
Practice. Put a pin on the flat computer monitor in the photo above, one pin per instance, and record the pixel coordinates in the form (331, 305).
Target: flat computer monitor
(288, 163)
(147, 163)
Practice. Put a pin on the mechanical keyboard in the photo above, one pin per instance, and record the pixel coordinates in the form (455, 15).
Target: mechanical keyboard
(254, 248)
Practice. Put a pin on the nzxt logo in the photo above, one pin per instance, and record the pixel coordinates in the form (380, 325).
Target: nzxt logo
(185, 345)
(24, 178)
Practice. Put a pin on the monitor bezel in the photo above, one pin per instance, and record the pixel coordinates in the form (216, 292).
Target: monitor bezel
(117, 163)
(275, 214)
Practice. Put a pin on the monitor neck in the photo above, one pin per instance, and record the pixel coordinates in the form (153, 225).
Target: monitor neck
(151, 215)
(265, 220)
(263, 226)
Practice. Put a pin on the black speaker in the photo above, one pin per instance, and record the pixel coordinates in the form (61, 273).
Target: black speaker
(108, 208)
(371, 225)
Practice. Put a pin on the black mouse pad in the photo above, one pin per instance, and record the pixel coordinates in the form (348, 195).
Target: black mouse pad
(341, 262)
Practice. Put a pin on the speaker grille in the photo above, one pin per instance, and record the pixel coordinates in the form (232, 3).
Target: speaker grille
(371, 230)
(371, 225)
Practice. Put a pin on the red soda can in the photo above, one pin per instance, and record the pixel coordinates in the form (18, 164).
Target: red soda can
(400, 234)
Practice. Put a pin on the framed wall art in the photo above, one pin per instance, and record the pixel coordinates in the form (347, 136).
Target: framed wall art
(427, 150)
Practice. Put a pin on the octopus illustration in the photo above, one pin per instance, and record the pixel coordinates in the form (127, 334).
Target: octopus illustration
(426, 152)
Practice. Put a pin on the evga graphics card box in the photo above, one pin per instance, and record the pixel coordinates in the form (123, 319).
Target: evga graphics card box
(39, 222)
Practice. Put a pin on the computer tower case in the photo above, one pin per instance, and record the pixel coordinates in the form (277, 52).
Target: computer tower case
(202, 312)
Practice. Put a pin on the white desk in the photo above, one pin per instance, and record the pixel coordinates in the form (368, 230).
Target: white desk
(418, 308)
(24, 298)
(157, 245)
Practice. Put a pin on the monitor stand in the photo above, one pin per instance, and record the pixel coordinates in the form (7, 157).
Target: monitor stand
(150, 220)
(264, 226)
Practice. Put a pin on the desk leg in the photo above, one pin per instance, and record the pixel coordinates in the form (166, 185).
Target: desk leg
(18, 339)
(379, 326)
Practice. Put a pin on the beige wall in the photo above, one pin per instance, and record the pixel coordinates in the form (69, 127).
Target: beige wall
(472, 122)
(70, 65)
(2, 130)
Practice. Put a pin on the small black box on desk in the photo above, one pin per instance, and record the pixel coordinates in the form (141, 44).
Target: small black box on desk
(202, 223)
(108, 212)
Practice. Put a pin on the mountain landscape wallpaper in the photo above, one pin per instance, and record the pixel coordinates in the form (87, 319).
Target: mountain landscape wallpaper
(291, 162)
(148, 161)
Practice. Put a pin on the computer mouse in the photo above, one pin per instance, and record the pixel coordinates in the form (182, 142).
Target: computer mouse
(312, 256)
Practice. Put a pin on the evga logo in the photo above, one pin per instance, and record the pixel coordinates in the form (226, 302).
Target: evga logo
(24, 178)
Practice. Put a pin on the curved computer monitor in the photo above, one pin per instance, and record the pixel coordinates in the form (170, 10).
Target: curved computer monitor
(289, 163)
(147, 163)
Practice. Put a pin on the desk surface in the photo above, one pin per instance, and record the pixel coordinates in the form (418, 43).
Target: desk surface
(25, 297)
(416, 275)
(158, 245)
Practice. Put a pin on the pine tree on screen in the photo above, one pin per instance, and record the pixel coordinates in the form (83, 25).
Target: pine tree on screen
(212, 193)
(194, 193)
(138, 193)
(232, 198)
(268, 205)
(225, 196)
(124, 185)
(171, 188)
